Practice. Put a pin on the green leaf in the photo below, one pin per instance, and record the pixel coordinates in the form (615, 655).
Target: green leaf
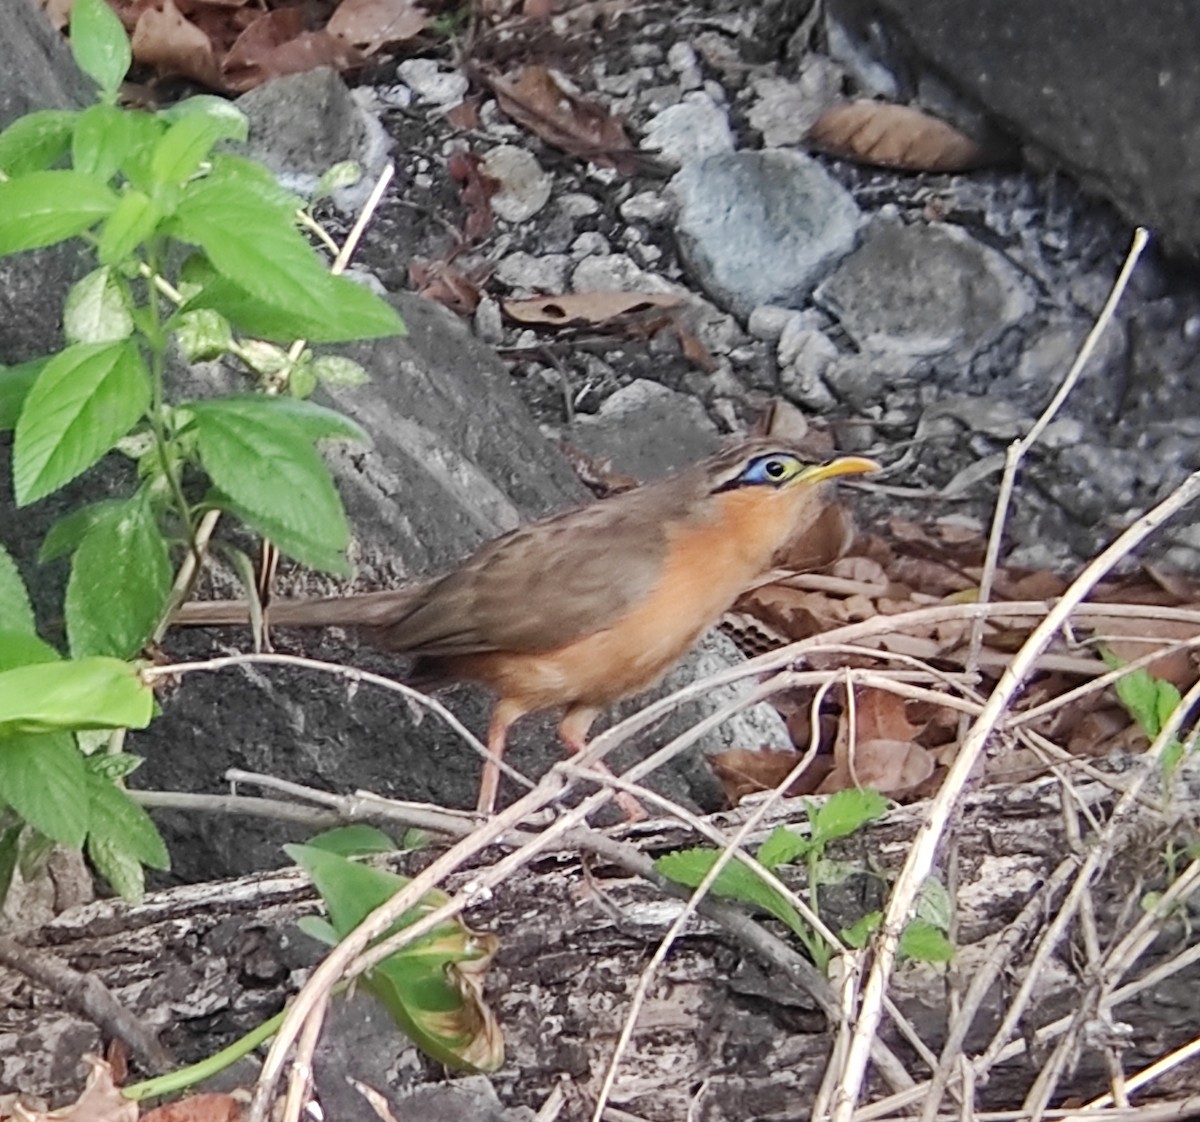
(922, 941)
(113, 766)
(144, 130)
(120, 579)
(314, 422)
(16, 612)
(859, 934)
(22, 648)
(15, 384)
(118, 866)
(416, 985)
(104, 135)
(234, 124)
(45, 207)
(934, 904)
(87, 397)
(782, 848)
(90, 693)
(344, 174)
(845, 813)
(97, 309)
(267, 473)
(353, 841)
(736, 882)
(186, 143)
(42, 779)
(255, 245)
(131, 224)
(335, 370)
(114, 816)
(36, 141)
(9, 851)
(100, 45)
(353, 312)
(203, 335)
(66, 534)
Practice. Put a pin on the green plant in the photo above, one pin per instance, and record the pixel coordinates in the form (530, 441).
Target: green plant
(194, 249)
(1150, 701)
(839, 816)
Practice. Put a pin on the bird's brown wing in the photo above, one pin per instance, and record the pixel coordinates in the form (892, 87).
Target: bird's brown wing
(541, 586)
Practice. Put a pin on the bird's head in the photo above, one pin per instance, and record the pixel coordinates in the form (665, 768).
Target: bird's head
(768, 493)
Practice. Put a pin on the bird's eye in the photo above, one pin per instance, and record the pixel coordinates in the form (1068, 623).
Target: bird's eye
(775, 469)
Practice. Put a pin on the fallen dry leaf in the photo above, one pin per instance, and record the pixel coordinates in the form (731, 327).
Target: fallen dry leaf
(541, 101)
(169, 43)
(373, 24)
(598, 476)
(278, 43)
(586, 309)
(100, 1101)
(199, 1108)
(893, 136)
(476, 188)
(743, 772)
(445, 284)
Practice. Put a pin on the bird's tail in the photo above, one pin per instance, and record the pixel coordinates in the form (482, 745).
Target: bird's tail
(363, 609)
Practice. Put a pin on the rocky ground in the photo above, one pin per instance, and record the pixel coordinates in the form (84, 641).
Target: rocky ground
(926, 318)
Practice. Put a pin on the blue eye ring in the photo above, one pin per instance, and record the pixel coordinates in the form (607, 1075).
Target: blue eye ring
(773, 469)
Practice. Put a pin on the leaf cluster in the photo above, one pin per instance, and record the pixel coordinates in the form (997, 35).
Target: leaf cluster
(839, 816)
(198, 253)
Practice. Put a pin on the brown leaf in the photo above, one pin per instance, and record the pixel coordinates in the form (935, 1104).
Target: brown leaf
(795, 614)
(743, 772)
(882, 715)
(585, 308)
(820, 544)
(892, 767)
(373, 24)
(441, 282)
(598, 476)
(894, 136)
(199, 1108)
(276, 43)
(100, 1100)
(172, 45)
(1177, 667)
(476, 188)
(693, 349)
(464, 115)
(539, 100)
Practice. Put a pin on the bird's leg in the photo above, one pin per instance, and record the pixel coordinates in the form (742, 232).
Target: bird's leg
(573, 730)
(489, 783)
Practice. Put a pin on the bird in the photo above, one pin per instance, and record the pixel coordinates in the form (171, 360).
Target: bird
(584, 607)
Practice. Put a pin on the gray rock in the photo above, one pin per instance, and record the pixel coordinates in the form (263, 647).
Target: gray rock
(924, 290)
(695, 128)
(805, 356)
(761, 227)
(863, 381)
(530, 273)
(785, 110)
(614, 272)
(303, 124)
(768, 321)
(1117, 109)
(524, 186)
(431, 83)
(646, 206)
(647, 430)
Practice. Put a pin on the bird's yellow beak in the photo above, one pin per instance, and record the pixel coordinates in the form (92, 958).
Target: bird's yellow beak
(843, 465)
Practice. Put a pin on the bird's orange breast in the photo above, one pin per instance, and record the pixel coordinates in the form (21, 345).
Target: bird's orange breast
(709, 562)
